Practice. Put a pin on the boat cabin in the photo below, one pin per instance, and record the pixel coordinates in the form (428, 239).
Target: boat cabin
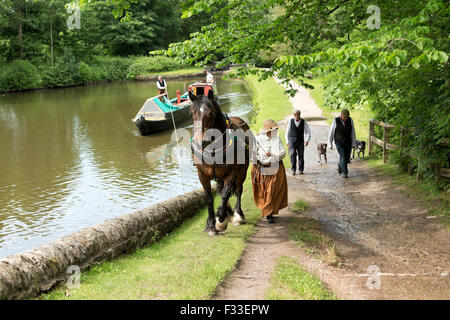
(201, 88)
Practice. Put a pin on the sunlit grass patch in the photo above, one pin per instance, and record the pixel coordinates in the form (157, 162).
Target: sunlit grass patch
(299, 206)
(307, 234)
(290, 281)
(185, 264)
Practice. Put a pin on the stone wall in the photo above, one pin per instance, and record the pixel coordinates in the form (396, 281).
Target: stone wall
(28, 274)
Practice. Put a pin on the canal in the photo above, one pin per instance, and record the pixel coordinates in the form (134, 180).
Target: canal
(71, 158)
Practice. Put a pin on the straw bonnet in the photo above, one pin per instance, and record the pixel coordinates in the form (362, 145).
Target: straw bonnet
(269, 125)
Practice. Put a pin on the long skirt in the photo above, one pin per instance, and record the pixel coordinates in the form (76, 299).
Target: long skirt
(269, 191)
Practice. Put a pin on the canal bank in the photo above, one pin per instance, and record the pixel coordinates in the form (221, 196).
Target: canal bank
(28, 274)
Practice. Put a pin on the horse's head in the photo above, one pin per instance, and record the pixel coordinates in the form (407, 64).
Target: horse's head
(206, 114)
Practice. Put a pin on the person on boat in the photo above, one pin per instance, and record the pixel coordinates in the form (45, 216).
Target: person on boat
(209, 77)
(269, 182)
(162, 87)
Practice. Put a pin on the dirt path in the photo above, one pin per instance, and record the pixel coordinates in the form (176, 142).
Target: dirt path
(372, 223)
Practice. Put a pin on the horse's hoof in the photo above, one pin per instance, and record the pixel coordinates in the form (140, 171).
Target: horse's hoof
(237, 219)
(221, 227)
(212, 233)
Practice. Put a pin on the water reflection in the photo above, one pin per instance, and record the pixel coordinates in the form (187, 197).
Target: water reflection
(72, 158)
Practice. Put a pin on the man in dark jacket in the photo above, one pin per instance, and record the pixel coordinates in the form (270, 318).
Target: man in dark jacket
(162, 87)
(343, 133)
(297, 138)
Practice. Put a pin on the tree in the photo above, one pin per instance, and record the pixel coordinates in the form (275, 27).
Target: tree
(398, 69)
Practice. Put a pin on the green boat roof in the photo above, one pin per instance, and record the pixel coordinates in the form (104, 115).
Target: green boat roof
(165, 106)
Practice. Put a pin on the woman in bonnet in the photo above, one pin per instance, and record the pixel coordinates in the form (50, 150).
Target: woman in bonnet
(268, 173)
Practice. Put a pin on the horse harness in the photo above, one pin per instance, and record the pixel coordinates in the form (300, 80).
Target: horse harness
(233, 138)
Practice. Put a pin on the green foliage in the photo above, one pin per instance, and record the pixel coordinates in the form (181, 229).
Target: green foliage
(86, 73)
(37, 31)
(65, 72)
(398, 73)
(112, 68)
(19, 75)
(143, 65)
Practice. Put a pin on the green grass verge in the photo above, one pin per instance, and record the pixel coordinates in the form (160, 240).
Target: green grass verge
(290, 281)
(270, 103)
(308, 235)
(299, 206)
(185, 264)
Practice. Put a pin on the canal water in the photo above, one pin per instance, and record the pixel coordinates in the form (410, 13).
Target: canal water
(72, 158)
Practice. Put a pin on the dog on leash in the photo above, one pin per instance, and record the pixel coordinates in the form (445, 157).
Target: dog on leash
(360, 148)
(322, 150)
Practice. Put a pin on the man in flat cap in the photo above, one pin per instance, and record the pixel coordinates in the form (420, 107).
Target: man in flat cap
(343, 133)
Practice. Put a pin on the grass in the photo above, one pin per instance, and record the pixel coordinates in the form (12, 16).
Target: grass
(299, 206)
(179, 71)
(290, 281)
(307, 234)
(270, 103)
(186, 264)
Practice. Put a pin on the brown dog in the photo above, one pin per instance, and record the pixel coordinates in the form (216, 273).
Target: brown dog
(322, 150)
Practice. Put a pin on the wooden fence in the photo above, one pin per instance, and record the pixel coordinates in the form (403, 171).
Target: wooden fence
(440, 172)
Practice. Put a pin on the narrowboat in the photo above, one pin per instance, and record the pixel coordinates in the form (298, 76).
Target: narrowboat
(159, 113)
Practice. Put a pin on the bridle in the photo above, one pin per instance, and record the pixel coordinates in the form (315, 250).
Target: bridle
(200, 149)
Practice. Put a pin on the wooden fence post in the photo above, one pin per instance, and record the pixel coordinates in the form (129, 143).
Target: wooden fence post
(371, 134)
(385, 142)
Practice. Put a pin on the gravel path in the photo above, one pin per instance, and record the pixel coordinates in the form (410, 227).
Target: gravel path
(373, 223)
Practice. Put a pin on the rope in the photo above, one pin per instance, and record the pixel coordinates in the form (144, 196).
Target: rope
(176, 137)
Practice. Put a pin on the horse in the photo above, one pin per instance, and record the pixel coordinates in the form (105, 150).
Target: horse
(230, 175)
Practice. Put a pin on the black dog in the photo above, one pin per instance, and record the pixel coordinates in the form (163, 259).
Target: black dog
(360, 148)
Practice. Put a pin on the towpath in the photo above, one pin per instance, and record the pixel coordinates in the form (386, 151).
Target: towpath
(372, 222)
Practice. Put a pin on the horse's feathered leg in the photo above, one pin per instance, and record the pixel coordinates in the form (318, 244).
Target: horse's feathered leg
(209, 200)
(219, 191)
(223, 218)
(238, 216)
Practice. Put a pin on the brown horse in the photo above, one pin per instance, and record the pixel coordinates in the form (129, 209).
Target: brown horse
(223, 164)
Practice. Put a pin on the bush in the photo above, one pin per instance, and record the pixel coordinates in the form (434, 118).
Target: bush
(86, 74)
(111, 68)
(19, 75)
(65, 72)
(144, 65)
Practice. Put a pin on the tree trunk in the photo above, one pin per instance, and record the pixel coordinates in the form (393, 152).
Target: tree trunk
(51, 39)
(20, 33)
